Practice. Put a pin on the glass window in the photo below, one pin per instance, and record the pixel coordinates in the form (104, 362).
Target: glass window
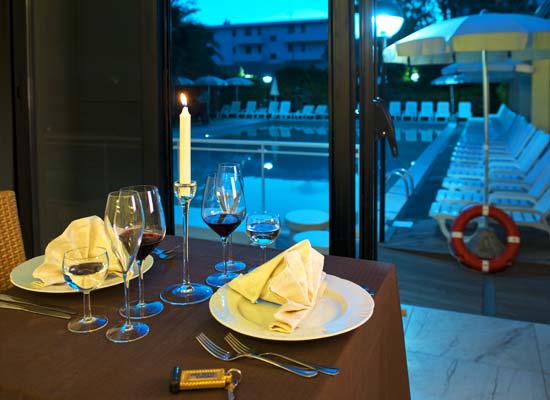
(248, 31)
(248, 49)
(291, 29)
(273, 38)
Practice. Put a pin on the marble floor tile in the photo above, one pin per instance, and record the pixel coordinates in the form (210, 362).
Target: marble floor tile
(407, 318)
(445, 378)
(467, 337)
(543, 339)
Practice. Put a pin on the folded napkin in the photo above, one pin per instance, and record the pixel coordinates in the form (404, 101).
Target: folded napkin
(84, 232)
(293, 279)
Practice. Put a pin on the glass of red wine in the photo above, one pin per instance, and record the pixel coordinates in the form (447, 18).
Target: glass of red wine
(231, 265)
(153, 233)
(84, 269)
(223, 209)
(124, 224)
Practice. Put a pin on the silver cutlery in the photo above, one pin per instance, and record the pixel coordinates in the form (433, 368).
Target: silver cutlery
(156, 250)
(34, 309)
(226, 355)
(19, 300)
(241, 348)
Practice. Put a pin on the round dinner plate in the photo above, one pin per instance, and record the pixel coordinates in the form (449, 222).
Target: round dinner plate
(21, 276)
(343, 307)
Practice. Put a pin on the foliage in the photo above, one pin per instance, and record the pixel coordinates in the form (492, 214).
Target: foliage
(303, 85)
(193, 44)
(454, 8)
(418, 14)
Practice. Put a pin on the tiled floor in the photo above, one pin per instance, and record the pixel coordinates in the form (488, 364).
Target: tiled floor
(464, 356)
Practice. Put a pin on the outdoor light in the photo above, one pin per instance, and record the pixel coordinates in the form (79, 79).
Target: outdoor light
(415, 76)
(267, 79)
(389, 18)
(268, 166)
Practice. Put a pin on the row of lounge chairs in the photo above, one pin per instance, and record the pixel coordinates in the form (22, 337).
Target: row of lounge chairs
(275, 109)
(519, 171)
(426, 112)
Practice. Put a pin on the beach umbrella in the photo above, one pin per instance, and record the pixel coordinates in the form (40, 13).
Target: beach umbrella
(209, 81)
(238, 81)
(476, 38)
(274, 91)
(183, 81)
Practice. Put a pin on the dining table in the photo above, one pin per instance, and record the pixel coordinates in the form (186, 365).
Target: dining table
(41, 359)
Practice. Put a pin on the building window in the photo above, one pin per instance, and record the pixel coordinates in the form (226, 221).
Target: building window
(273, 38)
(234, 50)
(303, 47)
(303, 28)
(248, 31)
(260, 48)
(291, 29)
(290, 47)
(247, 50)
(234, 32)
(273, 56)
(259, 30)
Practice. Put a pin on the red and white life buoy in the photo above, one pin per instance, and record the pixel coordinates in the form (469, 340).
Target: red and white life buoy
(471, 260)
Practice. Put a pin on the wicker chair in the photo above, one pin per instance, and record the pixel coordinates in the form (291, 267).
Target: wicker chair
(12, 250)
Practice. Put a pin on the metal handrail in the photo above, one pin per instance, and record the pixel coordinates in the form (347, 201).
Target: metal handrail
(403, 174)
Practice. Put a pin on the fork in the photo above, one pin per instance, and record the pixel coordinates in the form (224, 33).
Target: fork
(225, 355)
(241, 348)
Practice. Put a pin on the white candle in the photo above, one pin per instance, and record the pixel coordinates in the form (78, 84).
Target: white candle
(185, 142)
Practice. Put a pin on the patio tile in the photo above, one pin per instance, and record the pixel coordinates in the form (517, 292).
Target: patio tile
(434, 377)
(543, 339)
(491, 341)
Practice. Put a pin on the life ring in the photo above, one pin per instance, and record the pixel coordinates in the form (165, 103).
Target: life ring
(469, 259)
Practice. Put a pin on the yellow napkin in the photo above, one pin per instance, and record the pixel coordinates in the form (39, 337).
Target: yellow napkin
(293, 279)
(84, 232)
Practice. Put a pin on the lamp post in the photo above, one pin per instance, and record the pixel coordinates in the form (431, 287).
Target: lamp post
(389, 20)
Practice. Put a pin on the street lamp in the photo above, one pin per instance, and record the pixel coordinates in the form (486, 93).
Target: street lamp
(388, 21)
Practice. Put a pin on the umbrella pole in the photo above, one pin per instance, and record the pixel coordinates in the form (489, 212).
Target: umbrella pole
(236, 93)
(485, 125)
(452, 98)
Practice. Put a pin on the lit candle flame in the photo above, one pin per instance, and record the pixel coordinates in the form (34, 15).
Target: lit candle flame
(183, 100)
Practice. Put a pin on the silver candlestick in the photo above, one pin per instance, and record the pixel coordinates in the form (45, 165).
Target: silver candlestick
(186, 292)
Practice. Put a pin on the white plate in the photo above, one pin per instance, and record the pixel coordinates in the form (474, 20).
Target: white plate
(343, 307)
(21, 276)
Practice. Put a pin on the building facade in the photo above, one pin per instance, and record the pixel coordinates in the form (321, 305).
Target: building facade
(261, 48)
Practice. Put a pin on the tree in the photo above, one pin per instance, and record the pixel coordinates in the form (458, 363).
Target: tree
(417, 13)
(193, 44)
(454, 8)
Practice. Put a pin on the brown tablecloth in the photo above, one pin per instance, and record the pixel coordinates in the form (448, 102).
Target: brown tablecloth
(40, 359)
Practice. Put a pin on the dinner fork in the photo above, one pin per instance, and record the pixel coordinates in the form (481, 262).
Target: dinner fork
(225, 355)
(241, 348)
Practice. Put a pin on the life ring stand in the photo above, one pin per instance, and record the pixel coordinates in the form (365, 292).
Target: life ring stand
(468, 258)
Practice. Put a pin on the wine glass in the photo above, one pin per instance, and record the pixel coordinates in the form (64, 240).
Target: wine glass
(232, 265)
(124, 224)
(153, 234)
(263, 229)
(223, 209)
(84, 269)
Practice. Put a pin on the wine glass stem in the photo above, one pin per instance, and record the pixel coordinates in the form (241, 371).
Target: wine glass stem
(128, 324)
(224, 254)
(263, 251)
(185, 226)
(141, 289)
(87, 306)
(230, 248)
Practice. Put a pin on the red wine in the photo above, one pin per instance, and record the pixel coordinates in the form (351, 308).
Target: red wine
(148, 243)
(223, 224)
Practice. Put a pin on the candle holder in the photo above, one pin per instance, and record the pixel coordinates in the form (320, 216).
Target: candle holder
(186, 292)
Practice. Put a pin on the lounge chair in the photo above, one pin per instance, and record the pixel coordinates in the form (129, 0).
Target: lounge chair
(534, 216)
(305, 112)
(426, 111)
(249, 111)
(232, 111)
(266, 112)
(442, 112)
(411, 111)
(283, 110)
(395, 110)
(321, 111)
(464, 110)
(224, 111)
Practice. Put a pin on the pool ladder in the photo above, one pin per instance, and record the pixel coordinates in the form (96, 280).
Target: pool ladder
(407, 178)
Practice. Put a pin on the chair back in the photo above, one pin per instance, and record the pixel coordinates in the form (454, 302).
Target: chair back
(235, 107)
(395, 109)
(464, 109)
(273, 107)
(250, 106)
(284, 107)
(12, 250)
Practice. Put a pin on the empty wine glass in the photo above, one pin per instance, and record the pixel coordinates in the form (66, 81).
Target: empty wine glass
(84, 269)
(223, 209)
(153, 234)
(232, 265)
(124, 222)
(263, 229)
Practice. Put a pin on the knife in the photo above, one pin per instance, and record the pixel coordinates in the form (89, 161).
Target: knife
(19, 300)
(34, 309)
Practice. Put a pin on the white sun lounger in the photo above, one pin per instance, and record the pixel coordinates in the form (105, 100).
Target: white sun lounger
(411, 111)
(442, 112)
(395, 110)
(426, 111)
(283, 111)
(249, 110)
(464, 110)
